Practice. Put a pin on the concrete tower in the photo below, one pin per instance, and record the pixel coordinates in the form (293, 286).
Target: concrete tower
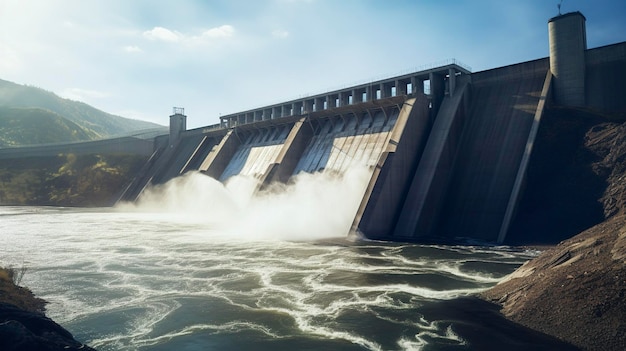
(568, 42)
(178, 124)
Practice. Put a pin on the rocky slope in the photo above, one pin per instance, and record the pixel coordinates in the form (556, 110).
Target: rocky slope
(576, 291)
(23, 324)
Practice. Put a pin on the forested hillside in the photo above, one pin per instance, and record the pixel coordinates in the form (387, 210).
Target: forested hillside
(95, 124)
(23, 126)
(67, 180)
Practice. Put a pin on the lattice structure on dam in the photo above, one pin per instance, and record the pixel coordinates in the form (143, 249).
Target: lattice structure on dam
(447, 149)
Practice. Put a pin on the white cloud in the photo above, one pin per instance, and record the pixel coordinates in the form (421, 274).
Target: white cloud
(79, 94)
(132, 49)
(167, 35)
(163, 34)
(280, 34)
(224, 31)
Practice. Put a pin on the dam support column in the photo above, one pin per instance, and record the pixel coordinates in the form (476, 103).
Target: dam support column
(451, 81)
(429, 185)
(299, 137)
(417, 86)
(437, 92)
(218, 159)
(386, 190)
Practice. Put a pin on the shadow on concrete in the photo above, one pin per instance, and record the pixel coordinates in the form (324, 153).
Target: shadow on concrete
(562, 190)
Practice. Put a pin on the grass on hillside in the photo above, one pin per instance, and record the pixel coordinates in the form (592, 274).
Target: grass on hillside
(97, 124)
(67, 180)
(28, 126)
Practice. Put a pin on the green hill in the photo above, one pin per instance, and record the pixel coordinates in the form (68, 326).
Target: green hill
(23, 126)
(95, 123)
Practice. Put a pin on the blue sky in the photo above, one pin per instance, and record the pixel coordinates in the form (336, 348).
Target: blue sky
(140, 58)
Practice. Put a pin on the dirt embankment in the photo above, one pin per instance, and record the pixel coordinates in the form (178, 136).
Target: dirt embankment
(576, 291)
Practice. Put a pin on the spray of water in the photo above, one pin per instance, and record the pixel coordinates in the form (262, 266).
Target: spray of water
(310, 207)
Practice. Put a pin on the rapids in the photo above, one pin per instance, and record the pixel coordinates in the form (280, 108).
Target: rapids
(133, 280)
(198, 265)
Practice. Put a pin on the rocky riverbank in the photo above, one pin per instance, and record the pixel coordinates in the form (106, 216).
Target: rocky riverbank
(23, 324)
(575, 291)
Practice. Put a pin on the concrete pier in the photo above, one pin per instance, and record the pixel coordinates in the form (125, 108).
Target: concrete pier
(427, 191)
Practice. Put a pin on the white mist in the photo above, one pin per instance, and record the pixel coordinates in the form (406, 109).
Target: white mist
(311, 207)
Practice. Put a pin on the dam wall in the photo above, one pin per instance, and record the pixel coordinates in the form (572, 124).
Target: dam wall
(461, 181)
(386, 192)
(605, 76)
(328, 132)
(333, 140)
(446, 150)
(429, 185)
(500, 116)
(169, 161)
(442, 163)
(453, 152)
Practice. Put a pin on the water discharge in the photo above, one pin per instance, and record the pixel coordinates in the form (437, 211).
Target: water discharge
(196, 265)
(310, 207)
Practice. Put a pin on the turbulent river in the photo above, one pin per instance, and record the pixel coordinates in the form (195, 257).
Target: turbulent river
(199, 266)
(141, 281)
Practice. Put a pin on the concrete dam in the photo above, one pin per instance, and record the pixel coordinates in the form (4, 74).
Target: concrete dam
(446, 149)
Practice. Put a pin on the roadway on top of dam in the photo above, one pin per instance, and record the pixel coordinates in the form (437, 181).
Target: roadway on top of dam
(406, 84)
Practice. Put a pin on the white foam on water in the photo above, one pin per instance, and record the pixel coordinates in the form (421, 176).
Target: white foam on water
(407, 344)
(334, 334)
(453, 268)
(421, 339)
(230, 327)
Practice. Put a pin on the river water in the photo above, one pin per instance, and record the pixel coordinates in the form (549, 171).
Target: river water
(137, 278)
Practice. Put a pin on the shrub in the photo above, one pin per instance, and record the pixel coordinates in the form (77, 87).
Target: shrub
(13, 274)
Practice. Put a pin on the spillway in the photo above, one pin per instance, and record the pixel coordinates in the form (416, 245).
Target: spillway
(343, 142)
(257, 151)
